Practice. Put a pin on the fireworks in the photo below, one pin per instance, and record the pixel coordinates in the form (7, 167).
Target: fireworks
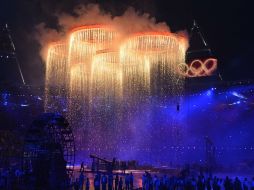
(106, 88)
(151, 57)
(90, 68)
(84, 42)
(108, 78)
(56, 67)
(99, 69)
(56, 73)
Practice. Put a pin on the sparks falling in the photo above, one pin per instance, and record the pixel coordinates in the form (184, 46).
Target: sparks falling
(56, 74)
(151, 57)
(107, 78)
(84, 42)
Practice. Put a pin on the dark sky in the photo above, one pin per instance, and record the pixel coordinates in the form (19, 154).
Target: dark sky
(226, 25)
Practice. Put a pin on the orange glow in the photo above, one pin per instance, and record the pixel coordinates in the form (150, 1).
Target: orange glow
(95, 64)
(149, 42)
(143, 52)
(84, 42)
(94, 26)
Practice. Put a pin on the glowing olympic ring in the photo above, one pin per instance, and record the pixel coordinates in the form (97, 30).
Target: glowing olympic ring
(213, 66)
(183, 69)
(198, 67)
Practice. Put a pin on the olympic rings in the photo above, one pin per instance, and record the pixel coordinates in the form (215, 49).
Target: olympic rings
(198, 68)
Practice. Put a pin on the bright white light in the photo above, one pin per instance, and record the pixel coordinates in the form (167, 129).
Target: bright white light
(24, 105)
(238, 95)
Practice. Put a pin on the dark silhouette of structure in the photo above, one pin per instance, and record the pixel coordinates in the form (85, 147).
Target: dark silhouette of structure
(199, 48)
(49, 151)
(102, 164)
(199, 57)
(10, 72)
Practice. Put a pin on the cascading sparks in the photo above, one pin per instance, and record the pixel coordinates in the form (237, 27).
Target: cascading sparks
(150, 55)
(84, 42)
(105, 93)
(106, 76)
(56, 74)
(150, 62)
(107, 79)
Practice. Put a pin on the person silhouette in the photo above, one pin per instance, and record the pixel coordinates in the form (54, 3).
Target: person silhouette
(104, 182)
(81, 180)
(110, 181)
(245, 184)
(116, 182)
(82, 167)
(252, 184)
(120, 185)
(97, 183)
(131, 177)
(87, 184)
(127, 182)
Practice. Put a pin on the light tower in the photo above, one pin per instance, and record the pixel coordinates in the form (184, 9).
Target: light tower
(10, 72)
(200, 61)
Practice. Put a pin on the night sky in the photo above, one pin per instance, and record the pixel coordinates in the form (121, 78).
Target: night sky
(226, 25)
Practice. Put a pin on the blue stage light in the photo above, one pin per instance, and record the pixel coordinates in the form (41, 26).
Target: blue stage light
(238, 95)
(39, 98)
(209, 93)
(24, 105)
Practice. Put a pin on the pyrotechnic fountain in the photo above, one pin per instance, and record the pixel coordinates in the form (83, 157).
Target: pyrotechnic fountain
(150, 69)
(106, 96)
(112, 84)
(106, 76)
(56, 75)
(84, 42)
(106, 83)
(145, 52)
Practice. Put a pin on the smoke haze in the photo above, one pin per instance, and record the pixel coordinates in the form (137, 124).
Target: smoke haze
(131, 21)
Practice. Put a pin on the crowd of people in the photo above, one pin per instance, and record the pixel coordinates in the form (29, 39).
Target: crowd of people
(150, 182)
(164, 182)
(105, 182)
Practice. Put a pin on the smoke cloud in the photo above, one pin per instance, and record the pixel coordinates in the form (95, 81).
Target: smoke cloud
(131, 21)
